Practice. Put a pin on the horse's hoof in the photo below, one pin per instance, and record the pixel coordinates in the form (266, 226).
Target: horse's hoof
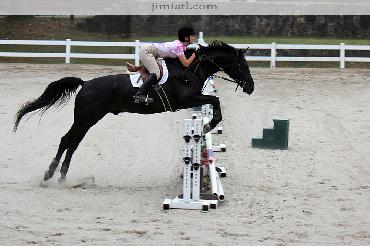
(61, 180)
(206, 128)
(47, 176)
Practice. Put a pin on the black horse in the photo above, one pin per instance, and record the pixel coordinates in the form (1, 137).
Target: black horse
(114, 94)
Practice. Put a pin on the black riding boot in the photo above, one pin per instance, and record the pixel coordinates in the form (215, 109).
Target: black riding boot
(141, 95)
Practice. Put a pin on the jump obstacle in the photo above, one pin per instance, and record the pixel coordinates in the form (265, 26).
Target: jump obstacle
(195, 193)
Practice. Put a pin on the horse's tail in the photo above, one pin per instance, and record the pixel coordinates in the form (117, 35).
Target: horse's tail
(56, 94)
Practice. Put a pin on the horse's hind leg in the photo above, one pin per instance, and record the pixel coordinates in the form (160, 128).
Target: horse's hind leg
(65, 143)
(75, 135)
(70, 142)
(54, 164)
(78, 134)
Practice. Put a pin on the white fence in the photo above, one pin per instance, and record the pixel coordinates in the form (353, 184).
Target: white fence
(273, 47)
(68, 54)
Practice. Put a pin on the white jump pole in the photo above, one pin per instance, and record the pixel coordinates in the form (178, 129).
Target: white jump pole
(207, 113)
(220, 189)
(212, 165)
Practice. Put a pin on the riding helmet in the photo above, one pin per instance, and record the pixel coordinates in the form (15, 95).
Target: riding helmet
(184, 32)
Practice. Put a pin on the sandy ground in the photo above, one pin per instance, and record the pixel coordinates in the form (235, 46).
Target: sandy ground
(315, 193)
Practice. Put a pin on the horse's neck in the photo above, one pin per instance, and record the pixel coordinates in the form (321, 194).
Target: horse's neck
(209, 66)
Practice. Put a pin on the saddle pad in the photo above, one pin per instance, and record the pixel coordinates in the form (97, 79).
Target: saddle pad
(136, 80)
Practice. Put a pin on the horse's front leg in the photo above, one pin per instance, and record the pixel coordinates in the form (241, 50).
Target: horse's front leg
(199, 100)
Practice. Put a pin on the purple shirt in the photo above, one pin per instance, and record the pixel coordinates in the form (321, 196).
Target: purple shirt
(170, 49)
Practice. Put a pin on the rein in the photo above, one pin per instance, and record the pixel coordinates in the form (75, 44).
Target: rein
(231, 80)
(218, 66)
(198, 61)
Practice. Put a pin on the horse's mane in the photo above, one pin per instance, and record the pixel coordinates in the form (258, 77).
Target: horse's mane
(219, 46)
(215, 45)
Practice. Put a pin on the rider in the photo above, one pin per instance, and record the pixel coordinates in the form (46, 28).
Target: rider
(149, 53)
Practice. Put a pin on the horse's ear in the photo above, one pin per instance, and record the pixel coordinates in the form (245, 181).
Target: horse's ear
(242, 52)
(201, 46)
(200, 49)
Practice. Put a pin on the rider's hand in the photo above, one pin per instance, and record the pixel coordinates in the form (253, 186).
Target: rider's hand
(193, 46)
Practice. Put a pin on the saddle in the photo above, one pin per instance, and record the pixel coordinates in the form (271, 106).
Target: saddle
(144, 73)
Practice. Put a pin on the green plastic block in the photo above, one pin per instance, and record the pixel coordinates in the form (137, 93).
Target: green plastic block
(275, 138)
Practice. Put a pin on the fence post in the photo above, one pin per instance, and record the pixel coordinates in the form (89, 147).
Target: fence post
(342, 55)
(68, 51)
(137, 47)
(273, 55)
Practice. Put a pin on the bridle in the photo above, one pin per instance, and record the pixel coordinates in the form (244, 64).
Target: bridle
(231, 80)
(200, 59)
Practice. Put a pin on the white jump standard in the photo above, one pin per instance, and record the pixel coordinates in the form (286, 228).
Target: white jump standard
(192, 198)
(193, 170)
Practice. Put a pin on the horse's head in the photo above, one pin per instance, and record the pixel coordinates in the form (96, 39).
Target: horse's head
(231, 61)
(246, 79)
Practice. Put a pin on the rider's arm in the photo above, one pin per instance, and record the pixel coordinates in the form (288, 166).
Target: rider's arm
(186, 62)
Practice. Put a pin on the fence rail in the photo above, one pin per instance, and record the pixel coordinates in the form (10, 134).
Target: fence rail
(273, 47)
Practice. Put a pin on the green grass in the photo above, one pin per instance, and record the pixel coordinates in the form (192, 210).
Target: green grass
(226, 39)
(229, 39)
